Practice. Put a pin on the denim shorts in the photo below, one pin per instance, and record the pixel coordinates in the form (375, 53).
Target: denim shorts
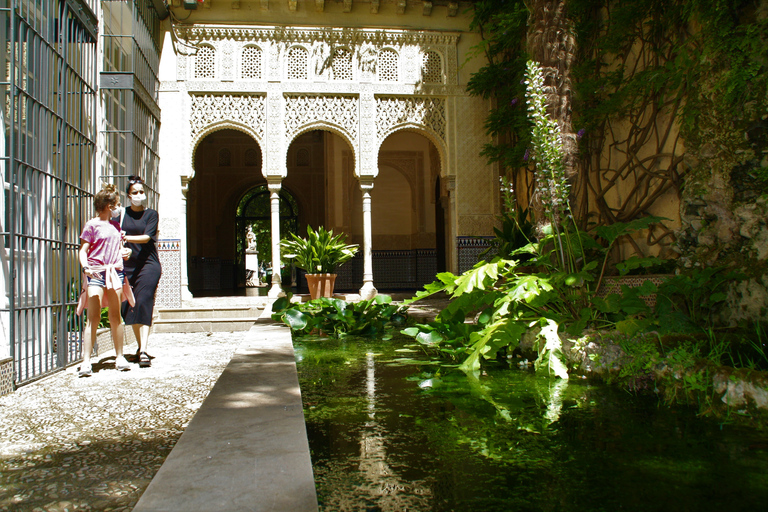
(98, 279)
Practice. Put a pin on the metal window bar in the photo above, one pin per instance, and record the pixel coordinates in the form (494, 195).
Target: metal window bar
(49, 95)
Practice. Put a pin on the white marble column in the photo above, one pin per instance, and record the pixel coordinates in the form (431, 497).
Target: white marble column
(183, 257)
(274, 184)
(453, 220)
(368, 291)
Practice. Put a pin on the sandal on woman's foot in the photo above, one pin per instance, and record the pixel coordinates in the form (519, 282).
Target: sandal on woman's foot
(144, 361)
(85, 370)
(122, 364)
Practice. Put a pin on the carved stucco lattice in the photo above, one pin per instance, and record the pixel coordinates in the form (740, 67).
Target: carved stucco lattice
(250, 66)
(394, 111)
(342, 111)
(209, 109)
(205, 62)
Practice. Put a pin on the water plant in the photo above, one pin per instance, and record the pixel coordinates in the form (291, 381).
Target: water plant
(377, 317)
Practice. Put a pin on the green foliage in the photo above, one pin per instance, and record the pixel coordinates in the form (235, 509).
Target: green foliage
(547, 148)
(568, 266)
(104, 318)
(504, 302)
(703, 61)
(320, 252)
(502, 26)
(516, 231)
(689, 301)
(376, 317)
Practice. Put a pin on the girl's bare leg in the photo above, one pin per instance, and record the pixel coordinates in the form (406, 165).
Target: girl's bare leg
(91, 325)
(115, 325)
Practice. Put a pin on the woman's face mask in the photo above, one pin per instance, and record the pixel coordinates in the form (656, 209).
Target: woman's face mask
(137, 199)
(115, 211)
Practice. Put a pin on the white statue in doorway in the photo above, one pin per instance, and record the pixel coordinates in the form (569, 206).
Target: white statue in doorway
(250, 237)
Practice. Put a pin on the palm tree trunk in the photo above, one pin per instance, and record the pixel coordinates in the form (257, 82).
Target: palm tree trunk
(552, 43)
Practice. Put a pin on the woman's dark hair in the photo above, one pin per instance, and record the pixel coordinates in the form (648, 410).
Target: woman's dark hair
(107, 196)
(133, 180)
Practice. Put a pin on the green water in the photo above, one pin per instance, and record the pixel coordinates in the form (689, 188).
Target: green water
(391, 430)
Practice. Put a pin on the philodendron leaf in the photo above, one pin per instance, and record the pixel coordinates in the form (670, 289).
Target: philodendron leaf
(485, 343)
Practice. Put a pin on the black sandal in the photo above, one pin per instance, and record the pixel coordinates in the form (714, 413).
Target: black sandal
(144, 361)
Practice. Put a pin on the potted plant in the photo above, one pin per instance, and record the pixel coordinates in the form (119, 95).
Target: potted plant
(319, 254)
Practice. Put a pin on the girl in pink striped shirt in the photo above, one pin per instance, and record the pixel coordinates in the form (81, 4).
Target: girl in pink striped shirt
(101, 256)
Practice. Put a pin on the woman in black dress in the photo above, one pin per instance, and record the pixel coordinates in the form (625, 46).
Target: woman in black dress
(143, 267)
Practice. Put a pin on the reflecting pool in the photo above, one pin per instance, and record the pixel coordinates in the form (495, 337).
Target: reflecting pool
(392, 430)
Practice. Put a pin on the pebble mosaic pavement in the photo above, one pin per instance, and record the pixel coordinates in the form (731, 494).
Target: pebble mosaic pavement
(94, 443)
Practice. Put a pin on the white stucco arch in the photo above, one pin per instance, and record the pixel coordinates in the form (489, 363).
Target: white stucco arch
(330, 127)
(224, 125)
(423, 131)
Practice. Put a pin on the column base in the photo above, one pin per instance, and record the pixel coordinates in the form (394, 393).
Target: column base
(276, 291)
(368, 291)
(185, 293)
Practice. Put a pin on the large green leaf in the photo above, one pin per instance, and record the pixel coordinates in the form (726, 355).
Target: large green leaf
(485, 343)
(296, 319)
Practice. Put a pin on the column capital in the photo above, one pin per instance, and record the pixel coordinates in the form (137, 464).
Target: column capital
(274, 183)
(366, 183)
(450, 182)
(185, 185)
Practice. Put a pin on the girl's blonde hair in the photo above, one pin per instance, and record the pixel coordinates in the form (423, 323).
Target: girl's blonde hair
(107, 196)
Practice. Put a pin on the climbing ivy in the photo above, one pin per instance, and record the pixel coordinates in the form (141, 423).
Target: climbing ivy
(660, 86)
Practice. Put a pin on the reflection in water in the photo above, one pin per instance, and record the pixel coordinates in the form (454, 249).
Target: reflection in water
(381, 485)
(388, 434)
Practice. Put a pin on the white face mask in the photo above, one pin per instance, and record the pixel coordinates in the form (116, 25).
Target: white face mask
(137, 199)
(115, 212)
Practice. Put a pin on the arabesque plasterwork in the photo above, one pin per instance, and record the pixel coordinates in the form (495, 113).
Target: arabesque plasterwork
(363, 109)
(249, 110)
(303, 110)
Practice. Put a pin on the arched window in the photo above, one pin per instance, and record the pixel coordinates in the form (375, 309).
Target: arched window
(205, 62)
(387, 66)
(297, 63)
(251, 157)
(342, 64)
(302, 157)
(250, 67)
(432, 68)
(225, 157)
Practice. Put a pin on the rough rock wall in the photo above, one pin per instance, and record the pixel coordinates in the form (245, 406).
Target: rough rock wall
(724, 215)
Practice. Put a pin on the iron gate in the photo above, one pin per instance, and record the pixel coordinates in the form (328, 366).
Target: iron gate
(49, 71)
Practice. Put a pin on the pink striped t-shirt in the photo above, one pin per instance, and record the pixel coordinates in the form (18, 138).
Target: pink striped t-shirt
(105, 238)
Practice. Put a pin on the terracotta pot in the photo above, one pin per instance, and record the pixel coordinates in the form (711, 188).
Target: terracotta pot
(320, 285)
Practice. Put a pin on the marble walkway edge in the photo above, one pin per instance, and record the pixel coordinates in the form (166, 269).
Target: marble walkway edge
(246, 448)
